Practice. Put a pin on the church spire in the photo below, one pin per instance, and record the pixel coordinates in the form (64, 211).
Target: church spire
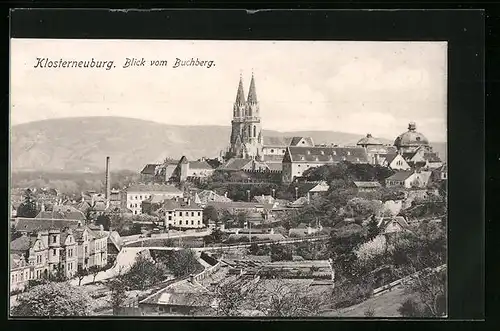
(240, 95)
(252, 93)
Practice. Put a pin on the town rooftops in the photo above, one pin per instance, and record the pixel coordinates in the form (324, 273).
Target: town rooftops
(153, 188)
(179, 204)
(37, 224)
(367, 184)
(22, 244)
(326, 154)
(155, 198)
(208, 195)
(237, 205)
(390, 157)
(400, 176)
(277, 141)
(63, 212)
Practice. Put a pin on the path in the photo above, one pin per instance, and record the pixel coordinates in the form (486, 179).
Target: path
(133, 239)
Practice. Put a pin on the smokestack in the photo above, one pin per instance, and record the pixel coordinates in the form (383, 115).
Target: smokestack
(108, 182)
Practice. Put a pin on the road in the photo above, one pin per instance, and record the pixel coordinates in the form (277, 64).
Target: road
(134, 239)
(126, 258)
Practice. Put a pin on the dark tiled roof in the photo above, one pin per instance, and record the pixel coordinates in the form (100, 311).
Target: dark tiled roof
(200, 165)
(149, 169)
(295, 141)
(33, 224)
(22, 244)
(277, 141)
(63, 212)
(328, 154)
(273, 158)
(273, 166)
(153, 188)
(390, 157)
(236, 205)
(367, 184)
(172, 204)
(432, 157)
(399, 176)
(235, 164)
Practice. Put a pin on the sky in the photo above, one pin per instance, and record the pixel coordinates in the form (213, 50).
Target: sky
(349, 86)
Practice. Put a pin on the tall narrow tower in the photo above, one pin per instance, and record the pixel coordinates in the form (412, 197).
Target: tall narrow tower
(237, 124)
(108, 183)
(253, 136)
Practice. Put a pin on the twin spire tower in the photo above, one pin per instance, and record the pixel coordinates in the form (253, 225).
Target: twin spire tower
(246, 133)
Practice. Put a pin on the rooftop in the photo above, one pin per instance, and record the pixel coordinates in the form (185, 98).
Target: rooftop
(153, 188)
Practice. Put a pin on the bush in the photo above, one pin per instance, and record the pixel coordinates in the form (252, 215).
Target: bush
(53, 299)
(281, 253)
(144, 273)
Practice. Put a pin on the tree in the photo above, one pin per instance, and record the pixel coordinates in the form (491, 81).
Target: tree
(104, 220)
(81, 273)
(145, 273)
(53, 299)
(118, 294)
(94, 270)
(183, 262)
(373, 229)
(28, 207)
(210, 214)
(281, 252)
(216, 236)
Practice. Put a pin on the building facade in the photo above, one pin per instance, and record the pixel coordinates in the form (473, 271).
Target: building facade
(183, 213)
(136, 194)
(299, 159)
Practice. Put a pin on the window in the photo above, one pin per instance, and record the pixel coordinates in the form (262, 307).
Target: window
(199, 222)
(170, 218)
(54, 252)
(170, 212)
(192, 213)
(180, 213)
(199, 213)
(180, 222)
(192, 222)
(140, 197)
(85, 250)
(272, 150)
(54, 239)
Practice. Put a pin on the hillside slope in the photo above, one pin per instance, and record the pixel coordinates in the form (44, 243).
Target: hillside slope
(81, 144)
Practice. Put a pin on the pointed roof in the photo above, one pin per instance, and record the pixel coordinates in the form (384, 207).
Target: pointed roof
(240, 95)
(252, 93)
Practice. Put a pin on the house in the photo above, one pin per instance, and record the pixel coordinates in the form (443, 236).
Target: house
(20, 272)
(136, 194)
(192, 170)
(298, 159)
(152, 204)
(29, 225)
(183, 213)
(367, 186)
(389, 225)
(48, 252)
(149, 172)
(423, 158)
(299, 203)
(441, 173)
(409, 179)
(396, 162)
(186, 297)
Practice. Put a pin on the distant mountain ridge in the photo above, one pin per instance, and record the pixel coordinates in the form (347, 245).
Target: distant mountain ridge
(82, 143)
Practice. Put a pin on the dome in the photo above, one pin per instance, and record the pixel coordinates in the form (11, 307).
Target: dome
(369, 140)
(411, 138)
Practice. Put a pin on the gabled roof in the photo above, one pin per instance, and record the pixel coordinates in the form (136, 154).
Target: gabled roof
(367, 184)
(155, 198)
(385, 221)
(275, 166)
(328, 154)
(202, 165)
(431, 157)
(369, 140)
(153, 188)
(277, 141)
(390, 157)
(207, 195)
(299, 202)
(22, 244)
(150, 169)
(400, 176)
(296, 140)
(236, 205)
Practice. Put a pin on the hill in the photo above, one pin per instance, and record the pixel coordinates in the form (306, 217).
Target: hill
(81, 144)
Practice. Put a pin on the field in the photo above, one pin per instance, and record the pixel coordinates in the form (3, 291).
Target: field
(385, 305)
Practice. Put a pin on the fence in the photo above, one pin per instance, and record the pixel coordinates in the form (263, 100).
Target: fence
(207, 272)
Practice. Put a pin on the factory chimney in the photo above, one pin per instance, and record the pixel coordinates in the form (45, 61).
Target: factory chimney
(108, 182)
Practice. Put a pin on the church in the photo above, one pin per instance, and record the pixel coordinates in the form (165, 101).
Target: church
(247, 141)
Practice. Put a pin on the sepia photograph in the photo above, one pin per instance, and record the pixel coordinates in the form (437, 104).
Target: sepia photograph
(228, 178)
